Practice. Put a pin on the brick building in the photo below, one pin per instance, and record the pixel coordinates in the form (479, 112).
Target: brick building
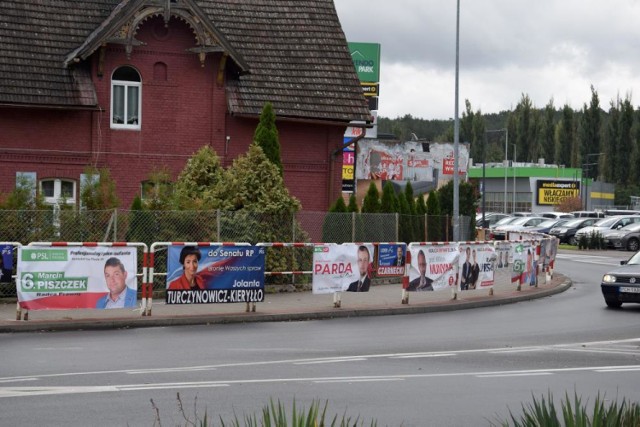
(139, 85)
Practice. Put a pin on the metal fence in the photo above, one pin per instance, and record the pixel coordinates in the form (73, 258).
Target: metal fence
(224, 226)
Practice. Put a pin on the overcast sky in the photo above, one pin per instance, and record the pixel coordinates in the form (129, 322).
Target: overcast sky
(544, 48)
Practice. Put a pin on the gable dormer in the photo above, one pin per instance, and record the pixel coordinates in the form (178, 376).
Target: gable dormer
(121, 26)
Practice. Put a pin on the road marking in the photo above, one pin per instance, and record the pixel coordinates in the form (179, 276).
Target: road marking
(415, 356)
(557, 347)
(532, 374)
(317, 362)
(40, 391)
(358, 380)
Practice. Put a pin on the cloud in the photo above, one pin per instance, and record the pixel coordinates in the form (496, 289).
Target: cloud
(545, 49)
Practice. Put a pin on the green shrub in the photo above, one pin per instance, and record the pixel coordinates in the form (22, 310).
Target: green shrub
(274, 415)
(574, 412)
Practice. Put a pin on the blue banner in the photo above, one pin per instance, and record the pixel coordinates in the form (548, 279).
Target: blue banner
(215, 274)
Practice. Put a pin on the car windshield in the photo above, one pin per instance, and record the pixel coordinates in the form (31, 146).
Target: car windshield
(506, 220)
(573, 223)
(520, 221)
(631, 227)
(635, 259)
(549, 223)
(606, 222)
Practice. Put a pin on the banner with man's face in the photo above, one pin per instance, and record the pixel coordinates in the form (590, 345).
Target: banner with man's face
(391, 259)
(342, 268)
(476, 266)
(432, 267)
(70, 277)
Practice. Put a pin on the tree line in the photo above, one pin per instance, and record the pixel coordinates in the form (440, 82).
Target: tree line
(604, 143)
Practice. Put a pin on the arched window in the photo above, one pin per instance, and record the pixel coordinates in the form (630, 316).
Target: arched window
(126, 99)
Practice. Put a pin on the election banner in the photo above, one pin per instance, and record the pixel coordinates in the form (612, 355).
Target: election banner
(342, 268)
(391, 258)
(215, 274)
(50, 278)
(6, 260)
(548, 250)
(475, 266)
(503, 254)
(524, 265)
(432, 267)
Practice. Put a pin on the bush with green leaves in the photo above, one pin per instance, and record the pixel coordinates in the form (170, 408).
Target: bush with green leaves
(275, 414)
(575, 412)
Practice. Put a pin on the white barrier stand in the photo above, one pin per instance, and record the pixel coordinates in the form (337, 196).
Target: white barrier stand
(336, 300)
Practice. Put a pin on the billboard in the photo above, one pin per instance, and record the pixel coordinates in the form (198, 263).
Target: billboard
(366, 59)
(408, 161)
(215, 274)
(76, 277)
(346, 267)
(554, 192)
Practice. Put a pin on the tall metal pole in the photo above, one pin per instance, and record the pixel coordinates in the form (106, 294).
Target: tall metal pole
(484, 178)
(506, 166)
(515, 157)
(456, 140)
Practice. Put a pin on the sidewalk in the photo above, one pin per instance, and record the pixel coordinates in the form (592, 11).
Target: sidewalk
(380, 300)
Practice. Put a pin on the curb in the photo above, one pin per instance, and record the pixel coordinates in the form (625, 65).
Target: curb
(329, 313)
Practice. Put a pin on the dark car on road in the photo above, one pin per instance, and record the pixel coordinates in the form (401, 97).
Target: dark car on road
(546, 226)
(566, 232)
(622, 285)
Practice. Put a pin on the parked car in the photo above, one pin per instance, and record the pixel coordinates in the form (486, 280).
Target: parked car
(546, 225)
(490, 219)
(522, 214)
(622, 284)
(566, 233)
(611, 223)
(503, 221)
(588, 214)
(555, 214)
(627, 238)
(500, 232)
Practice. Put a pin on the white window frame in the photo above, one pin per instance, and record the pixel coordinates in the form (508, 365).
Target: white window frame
(58, 197)
(127, 86)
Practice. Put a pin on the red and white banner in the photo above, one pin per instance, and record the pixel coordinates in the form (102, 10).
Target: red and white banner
(475, 266)
(433, 267)
(342, 268)
(71, 277)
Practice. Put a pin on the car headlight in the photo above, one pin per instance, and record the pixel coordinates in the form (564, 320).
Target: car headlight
(609, 278)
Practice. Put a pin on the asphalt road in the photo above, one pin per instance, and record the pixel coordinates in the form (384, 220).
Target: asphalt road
(463, 368)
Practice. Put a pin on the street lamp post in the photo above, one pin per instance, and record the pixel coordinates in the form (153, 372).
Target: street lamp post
(515, 156)
(585, 176)
(456, 138)
(506, 161)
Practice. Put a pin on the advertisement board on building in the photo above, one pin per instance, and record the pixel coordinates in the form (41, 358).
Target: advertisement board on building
(366, 59)
(554, 192)
(427, 162)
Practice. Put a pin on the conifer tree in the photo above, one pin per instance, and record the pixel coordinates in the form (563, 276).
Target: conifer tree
(266, 136)
(389, 201)
(371, 202)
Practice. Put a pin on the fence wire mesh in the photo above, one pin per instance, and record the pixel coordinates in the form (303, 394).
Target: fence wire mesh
(27, 226)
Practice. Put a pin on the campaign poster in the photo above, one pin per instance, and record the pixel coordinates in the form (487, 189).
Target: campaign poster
(548, 250)
(215, 274)
(524, 264)
(475, 266)
(342, 268)
(391, 259)
(6, 263)
(503, 254)
(432, 267)
(62, 278)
